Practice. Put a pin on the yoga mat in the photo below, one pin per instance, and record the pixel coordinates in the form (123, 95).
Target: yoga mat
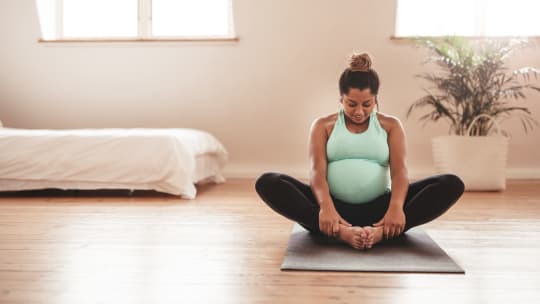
(414, 251)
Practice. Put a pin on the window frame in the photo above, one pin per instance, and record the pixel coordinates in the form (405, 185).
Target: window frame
(144, 28)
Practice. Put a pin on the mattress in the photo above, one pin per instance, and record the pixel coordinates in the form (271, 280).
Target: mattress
(165, 160)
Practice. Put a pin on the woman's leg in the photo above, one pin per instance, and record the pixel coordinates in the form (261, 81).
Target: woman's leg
(364, 214)
(295, 200)
(429, 198)
(426, 200)
(290, 198)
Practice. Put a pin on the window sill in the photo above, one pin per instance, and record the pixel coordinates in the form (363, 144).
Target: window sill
(150, 40)
(410, 38)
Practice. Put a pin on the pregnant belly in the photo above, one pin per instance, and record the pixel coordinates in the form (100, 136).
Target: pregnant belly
(356, 180)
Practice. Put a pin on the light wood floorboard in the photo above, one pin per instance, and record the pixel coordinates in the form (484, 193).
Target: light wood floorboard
(226, 246)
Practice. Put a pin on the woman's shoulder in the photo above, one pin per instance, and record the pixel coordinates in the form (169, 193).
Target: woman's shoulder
(325, 123)
(388, 121)
(330, 118)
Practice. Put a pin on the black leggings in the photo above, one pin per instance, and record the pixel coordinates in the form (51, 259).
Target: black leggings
(426, 200)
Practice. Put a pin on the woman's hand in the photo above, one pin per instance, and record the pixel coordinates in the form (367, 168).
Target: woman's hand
(329, 220)
(393, 221)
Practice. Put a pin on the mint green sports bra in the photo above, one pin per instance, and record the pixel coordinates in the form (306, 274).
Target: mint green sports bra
(357, 170)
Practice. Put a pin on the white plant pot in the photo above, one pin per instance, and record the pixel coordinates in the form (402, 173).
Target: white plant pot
(480, 161)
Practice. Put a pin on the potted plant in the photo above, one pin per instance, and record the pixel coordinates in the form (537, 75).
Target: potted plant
(473, 90)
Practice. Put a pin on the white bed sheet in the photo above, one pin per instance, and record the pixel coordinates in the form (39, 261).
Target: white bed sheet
(166, 160)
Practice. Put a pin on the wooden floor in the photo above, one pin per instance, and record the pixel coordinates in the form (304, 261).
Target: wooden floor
(227, 246)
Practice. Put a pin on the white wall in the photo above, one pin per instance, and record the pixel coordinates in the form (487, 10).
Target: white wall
(258, 95)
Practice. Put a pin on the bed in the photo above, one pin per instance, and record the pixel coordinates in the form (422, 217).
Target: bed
(165, 160)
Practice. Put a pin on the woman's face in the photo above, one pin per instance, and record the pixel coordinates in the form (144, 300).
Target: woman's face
(358, 105)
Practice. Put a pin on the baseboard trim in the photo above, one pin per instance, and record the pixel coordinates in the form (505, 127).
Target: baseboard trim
(303, 173)
(523, 173)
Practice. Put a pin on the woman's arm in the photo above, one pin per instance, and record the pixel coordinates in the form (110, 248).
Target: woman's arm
(398, 165)
(329, 219)
(318, 164)
(394, 219)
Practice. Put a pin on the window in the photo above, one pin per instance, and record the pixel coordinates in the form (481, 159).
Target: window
(135, 19)
(468, 18)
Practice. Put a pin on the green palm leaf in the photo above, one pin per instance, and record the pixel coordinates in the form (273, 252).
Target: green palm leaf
(473, 79)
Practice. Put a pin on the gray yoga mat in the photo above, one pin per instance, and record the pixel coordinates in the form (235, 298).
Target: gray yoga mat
(415, 251)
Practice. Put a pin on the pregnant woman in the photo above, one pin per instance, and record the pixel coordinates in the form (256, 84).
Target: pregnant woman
(359, 191)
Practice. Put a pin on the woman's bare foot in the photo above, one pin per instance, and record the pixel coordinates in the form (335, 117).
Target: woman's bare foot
(354, 236)
(374, 235)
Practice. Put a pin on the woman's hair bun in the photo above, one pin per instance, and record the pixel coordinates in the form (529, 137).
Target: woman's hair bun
(360, 62)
